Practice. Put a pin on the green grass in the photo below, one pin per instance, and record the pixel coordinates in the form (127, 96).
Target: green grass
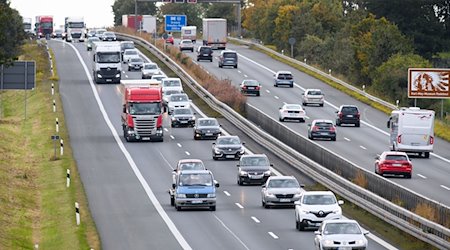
(36, 206)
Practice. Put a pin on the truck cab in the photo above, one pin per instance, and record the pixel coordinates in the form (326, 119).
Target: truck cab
(194, 188)
(107, 66)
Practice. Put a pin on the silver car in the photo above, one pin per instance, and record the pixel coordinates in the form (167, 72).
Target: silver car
(313, 96)
(135, 63)
(340, 234)
(280, 191)
(149, 69)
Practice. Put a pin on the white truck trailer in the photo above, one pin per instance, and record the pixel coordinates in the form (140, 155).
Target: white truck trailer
(107, 66)
(215, 32)
(412, 131)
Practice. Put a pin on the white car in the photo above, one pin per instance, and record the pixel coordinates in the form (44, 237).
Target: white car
(171, 84)
(166, 95)
(186, 45)
(292, 112)
(340, 234)
(149, 69)
(313, 96)
(314, 207)
(178, 101)
(129, 53)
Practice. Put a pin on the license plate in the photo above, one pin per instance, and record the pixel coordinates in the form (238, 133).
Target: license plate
(285, 200)
(323, 133)
(349, 115)
(345, 248)
(205, 54)
(183, 121)
(396, 165)
(255, 176)
(229, 156)
(208, 134)
(109, 80)
(196, 202)
(251, 88)
(146, 138)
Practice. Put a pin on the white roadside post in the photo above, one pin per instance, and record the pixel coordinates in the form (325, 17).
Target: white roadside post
(68, 178)
(57, 125)
(53, 89)
(77, 213)
(62, 147)
(54, 106)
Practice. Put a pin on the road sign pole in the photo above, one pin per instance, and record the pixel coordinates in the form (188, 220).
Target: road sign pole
(26, 88)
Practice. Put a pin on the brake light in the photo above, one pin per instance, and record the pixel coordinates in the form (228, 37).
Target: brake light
(315, 128)
(340, 115)
(257, 87)
(357, 115)
(332, 129)
(431, 140)
(399, 139)
(244, 87)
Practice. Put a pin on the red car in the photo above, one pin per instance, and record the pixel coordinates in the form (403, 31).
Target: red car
(392, 162)
(169, 39)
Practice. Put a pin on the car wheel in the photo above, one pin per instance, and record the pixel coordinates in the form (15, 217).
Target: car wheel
(129, 69)
(333, 138)
(276, 85)
(215, 158)
(235, 66)
(301, 227)
(338, 123)
(321, 105)
(240, 182)
(408, 176)
(292, 85)
(258, 94)
(281, 119)
(172, 201)
(210, 60)
(357, 124)
(212, 208)
(178, 208)
(198, 59)
(304, 104)
(297, 225)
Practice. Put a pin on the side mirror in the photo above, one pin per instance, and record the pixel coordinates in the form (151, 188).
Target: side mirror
(213, 143)
(377, 157)
(243, 143)
(336, 111)
(220, 125)
(366, 232)
(271, 164)
(309, 125)
(216, 184)
(195, 113)
(340, 202)
(316, 232)
(174, 185)
(388, 125)
(279, 108)
(238, 165)
(302, 185)
(263, 185)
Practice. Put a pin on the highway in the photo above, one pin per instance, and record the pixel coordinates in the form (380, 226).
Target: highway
(127, 183)
(358, 145)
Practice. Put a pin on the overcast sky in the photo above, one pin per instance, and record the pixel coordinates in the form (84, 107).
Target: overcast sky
(96, 13)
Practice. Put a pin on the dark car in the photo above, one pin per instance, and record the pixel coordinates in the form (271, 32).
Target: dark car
(228, 147)
(206, 128)
(250, 87)
(204, 53)
(322, 129)
(109, 36)
(182, 117)
(347, 114)
(253, 169)
(135, 63)
(228, 58)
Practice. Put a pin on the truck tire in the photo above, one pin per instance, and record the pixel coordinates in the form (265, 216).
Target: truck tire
(426, 155)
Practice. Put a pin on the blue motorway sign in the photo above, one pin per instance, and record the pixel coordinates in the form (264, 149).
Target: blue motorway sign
(174, 23)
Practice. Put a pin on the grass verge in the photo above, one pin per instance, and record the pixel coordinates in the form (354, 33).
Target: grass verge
(36, 205)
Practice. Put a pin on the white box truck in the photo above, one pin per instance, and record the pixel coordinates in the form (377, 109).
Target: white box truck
(215, 32)
(148, 24)
(107, 66)
(412, 131)
(189, 33)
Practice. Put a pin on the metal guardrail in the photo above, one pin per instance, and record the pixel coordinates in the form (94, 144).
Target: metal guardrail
(404, 219)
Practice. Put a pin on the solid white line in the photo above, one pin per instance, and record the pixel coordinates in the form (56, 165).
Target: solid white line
(345, 138)
(445, 187)
(334, 106)
(179, 145)
(231, 232)
(131, 162)
(255, 219)
(421, 176)
(307, 117)
(172, 137)
(273, 235)
(276, 97)
(239, 205)
(226, 193)
(363, 147)
(187, 153)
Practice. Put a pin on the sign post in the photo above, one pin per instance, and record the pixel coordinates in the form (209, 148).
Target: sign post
(292, 41)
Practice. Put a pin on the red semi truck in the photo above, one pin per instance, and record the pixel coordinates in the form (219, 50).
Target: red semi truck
(142, 112)
(44, 26)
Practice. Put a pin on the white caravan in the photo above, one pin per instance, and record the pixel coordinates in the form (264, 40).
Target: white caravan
(412, 131)
(107, 66)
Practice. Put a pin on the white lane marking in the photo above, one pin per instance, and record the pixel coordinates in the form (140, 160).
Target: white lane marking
(172, 137)
(194, 62)
(307, 117)
(442, 186)
(245, 75)
(239, 205)
(273, 235)
(268, 91)
(363, 147)
(231, 232)
(166, 130)
(276, 97)
(126, 76)
(239, 71)
(131, 162)
(168, 163)
(255, 219)
(226, 193)
(421, 176)
(335, 107)
(345, 138)
(208, 72)
(179, 145)
(187, 153)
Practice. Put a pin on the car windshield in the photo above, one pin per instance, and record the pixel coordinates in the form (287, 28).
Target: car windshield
(349, 110)
(254, 161)
(159, 78)
(127, 46)
(285, 76)
(108, 57)
(396, 158)
(230, 55)
(136, 60)
(314, 92)
(150, 66)
(319, 199)
(178, 98)
(186, 42)
(108, 34)
(145, 108)
(341, 228)
(93, 39)
(206, 123)
(195, 180)
(323, 124)
(172, 83)
(191, 166)
(229, 141)
(283, 183)
(131, 52)
(182, 112)
(205, 50)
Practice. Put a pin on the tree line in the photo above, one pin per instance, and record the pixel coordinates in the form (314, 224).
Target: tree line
(12, 33)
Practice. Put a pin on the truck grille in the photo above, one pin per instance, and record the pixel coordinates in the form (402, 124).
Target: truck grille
(76, 35)
(108, 72)
(144, 126)
(196, 195)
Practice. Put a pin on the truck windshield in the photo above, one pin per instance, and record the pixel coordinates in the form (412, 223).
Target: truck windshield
(111, 57)
(145, 108)
(47, 25)
(195, 180)
(76, 25)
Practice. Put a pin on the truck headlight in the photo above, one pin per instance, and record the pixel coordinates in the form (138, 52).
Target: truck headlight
(181, 195)
(212, 195)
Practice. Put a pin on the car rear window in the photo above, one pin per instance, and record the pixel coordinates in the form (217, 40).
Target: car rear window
(178, 98)
(323, 124)
(205, 50)
(314, 92)
(251, 83)
(349, 110)
(285, 76)
(229, 55)
(396, 158)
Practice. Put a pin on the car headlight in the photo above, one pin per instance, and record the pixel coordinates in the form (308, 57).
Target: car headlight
(181, 195)
(337, 211)
(117, 75)
(304, 211)
(297, 195)
(270, 194)
(243, 173)
(327, 242)
(99, 76)
(267, 173)
(193, 118)
(360, 242)
(212, 195)
(242, 151)
(217, 151)
(173, 118)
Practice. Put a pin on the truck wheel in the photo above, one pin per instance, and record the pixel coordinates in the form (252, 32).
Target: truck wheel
(212, 208)
(426, 155)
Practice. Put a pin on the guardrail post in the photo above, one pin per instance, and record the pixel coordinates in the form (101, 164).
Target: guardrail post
(77, 213)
